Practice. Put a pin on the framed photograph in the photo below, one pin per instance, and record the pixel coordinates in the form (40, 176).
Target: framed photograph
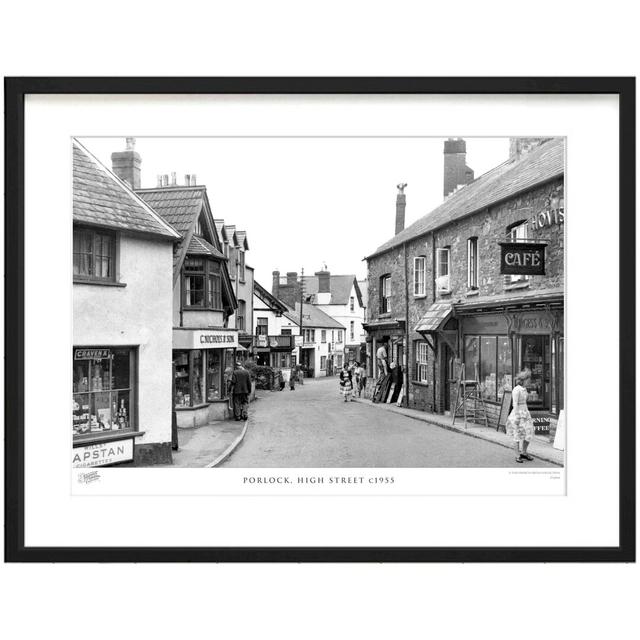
(320, 319)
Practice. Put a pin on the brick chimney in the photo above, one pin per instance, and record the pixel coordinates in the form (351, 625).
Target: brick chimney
(126, 164)
(401, 205)
(289, 293)
(275, 284)
(456, 172)
(519, 147)
(324, 281)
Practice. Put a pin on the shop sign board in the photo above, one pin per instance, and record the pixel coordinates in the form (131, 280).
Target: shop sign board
(262, 340)
(299, 341)
(205, 339)
(541, 425)
(99, 455)
(91, 354)
(522, 258)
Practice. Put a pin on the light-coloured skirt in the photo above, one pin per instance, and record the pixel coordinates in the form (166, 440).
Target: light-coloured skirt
(520, 425)
(347, 389)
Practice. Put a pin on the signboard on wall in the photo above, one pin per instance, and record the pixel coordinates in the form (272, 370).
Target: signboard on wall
(99, 455)
(522, 258)
(205, 338)
(541, 425)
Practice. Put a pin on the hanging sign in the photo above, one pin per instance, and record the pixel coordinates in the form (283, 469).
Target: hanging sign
(522, 258)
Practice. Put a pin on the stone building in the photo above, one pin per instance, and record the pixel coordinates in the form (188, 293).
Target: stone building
(438, 299)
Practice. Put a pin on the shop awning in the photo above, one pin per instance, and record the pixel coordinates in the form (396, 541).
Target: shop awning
(435, 318)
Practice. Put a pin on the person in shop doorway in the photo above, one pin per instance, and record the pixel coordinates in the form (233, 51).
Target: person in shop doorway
(381, 356)
(361, 379)
(519, 422)
(346, 383)
(241, 388)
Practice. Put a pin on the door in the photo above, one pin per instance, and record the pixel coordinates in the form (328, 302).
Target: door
(449, 375)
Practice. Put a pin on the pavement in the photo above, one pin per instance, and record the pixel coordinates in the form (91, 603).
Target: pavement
(313, 427)
(538, 448)
(208, 445)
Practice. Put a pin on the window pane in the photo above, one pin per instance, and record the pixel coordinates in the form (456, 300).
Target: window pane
(194, 290)
(196, 383)
(121, 410)
(81, 413)
(504, 366)
(82, 252)
(471, 357)
(121, 369)
(214, 374)
(488, 368)
(183, 393)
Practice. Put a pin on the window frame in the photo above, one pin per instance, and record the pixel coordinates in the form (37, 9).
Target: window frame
(496, 337)
(385, 293)
(323, 336)
(241, 315)
(439, 275)
(472, 263)
(352, 304)
(114, 243)
(323, 363)
(210, 273)
(260, 325)
(352, 330)
(514, 235)
(241, 266)
(421, 361)
(418, 291)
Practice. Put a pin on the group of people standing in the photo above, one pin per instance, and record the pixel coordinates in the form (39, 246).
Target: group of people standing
(353, 378)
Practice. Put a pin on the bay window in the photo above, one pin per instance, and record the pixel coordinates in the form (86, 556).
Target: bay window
(202, 283)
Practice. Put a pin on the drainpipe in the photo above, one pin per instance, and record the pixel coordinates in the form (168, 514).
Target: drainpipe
(433, 298)
(406, 329)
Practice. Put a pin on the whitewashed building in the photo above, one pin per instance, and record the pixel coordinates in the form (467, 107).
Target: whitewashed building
(122, 325)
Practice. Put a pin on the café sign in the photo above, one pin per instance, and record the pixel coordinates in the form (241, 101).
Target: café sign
(99, 455)
(522, 258)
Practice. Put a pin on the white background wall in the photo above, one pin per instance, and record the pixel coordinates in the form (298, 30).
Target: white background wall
(138, 314)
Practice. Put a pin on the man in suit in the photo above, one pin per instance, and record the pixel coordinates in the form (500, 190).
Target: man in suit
(240, 388)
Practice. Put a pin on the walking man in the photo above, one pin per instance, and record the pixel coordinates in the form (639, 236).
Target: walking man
(241, 388)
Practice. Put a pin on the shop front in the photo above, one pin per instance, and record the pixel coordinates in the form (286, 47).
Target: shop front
(104, 405)
(384, 338)
(200, 359)
(496, 345)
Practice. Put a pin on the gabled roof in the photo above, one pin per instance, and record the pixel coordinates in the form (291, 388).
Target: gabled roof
(242, 240)
(269, 299)
(199, 246)
(230, 231)
(312, 317)
(340, 287)
(179, 206)
(540, 165)
(220, 229)
(100, 198)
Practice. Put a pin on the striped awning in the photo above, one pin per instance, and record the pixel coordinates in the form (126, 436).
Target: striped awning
(435, 318)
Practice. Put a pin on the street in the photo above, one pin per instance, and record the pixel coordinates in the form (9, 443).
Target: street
(313, 427)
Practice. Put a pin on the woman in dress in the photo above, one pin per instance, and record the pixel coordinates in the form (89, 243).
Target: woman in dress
(519, 422)
(346, 382)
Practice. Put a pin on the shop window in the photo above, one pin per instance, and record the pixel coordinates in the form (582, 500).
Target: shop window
(94, 255)
(285, 332)
(262, 327)
(352, 330)
(487, 360)
(443, 282)
(323, 363)
(103, 390)
(535, 355)
(352, 304)
(472, 263)
(517, 233)
(385, 294)
(215, 383)
(421, 352)
(189, 378)
(419, 275)
(242, 310)
(339, 336)
(339, 361)
(323, 336)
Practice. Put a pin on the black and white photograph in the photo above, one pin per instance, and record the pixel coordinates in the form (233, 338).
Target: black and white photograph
(293, 302)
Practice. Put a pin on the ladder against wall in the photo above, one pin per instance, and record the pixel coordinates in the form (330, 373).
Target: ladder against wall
(469, 390)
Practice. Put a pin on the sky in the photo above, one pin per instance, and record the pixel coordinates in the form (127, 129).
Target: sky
(306, 202)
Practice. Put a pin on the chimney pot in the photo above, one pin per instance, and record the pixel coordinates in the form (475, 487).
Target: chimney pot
(173, 178)
(401, 204)
(456, 172)
(159, 180)
(193, 180)
(187, 179)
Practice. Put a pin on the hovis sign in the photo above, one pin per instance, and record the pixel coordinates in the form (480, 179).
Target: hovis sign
(522, 258)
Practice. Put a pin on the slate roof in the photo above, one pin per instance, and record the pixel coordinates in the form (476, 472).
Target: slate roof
(100, 198)
(312, 317)
(340, 286)
(242, 239)
(199, 246)
(504, 181)
(177, 205)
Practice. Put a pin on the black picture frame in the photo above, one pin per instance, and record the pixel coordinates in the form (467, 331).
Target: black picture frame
(15, 91)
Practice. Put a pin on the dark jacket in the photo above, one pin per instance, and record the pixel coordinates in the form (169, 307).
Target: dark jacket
(241, 381)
